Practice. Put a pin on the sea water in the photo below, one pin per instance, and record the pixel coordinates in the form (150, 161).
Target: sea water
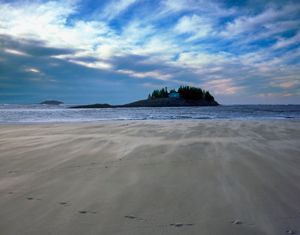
(62, 113)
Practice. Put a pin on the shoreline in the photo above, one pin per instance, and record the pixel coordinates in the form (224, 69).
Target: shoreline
(283, 119)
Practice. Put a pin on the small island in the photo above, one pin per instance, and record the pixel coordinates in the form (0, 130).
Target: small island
(52, 102)
(182, 97)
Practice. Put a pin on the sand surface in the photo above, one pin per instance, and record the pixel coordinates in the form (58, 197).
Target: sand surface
(171, 177)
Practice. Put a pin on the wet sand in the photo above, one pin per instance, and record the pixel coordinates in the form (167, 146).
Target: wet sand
(150, 177)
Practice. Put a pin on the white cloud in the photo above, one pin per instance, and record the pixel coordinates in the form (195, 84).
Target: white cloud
(272, 30)
(158, 45)
(116, 7)
(264, 20)
(47, 22)
(137, 31)
(149, 74)
(289, 84)
(34, 19)
(94, 65)
(246, 24)
(200, 59)
(285, 42)
(203, 7)
(195, 25)
(222, 86)
(15, 52)
(32, 70)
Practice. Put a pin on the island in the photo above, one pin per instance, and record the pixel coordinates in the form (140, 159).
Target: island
(182, 97)
(52, 102)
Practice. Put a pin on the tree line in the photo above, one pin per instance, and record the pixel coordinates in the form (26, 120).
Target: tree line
(185, 92)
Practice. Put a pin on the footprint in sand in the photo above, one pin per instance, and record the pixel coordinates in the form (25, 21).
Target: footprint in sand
(32, 198)
(87, 212)
(181, 225)
(174, 225)
(133, 217)
(236, 222)
(63, 203)
(130, 217)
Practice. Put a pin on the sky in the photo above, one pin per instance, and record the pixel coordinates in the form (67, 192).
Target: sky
(118, 51)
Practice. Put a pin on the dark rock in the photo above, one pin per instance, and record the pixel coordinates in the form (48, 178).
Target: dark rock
(159, 102)
(52, 102)
(92, 106)
(170, 102)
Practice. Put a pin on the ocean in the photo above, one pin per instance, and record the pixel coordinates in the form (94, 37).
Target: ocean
(62, 113)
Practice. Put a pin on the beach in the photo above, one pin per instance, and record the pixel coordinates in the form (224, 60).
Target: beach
(151, 177)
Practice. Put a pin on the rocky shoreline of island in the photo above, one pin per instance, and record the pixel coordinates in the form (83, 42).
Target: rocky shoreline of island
(185, 96)
(162, 102)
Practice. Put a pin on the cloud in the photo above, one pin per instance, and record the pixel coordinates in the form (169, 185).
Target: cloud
(195, 25)
(32, 70)
(95, 64)
(196, 60)
(289, 84)
(260, 22)
(151, 74)
(286, 42)
(201, 7)
(116, 7)
(47, 22)
(46, 76)
(31, 20)
(223, 86)
(15, 52)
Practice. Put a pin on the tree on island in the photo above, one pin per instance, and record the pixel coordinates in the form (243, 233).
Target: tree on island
(208, 96)
(185, 92)
(190, 93)
(162, 93)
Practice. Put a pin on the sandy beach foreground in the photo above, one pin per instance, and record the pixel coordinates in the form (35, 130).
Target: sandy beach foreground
(171, 177)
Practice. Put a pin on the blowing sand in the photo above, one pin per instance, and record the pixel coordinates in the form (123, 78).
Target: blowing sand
(172, 177)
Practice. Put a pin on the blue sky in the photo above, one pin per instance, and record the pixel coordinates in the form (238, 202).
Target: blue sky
(118, 51)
